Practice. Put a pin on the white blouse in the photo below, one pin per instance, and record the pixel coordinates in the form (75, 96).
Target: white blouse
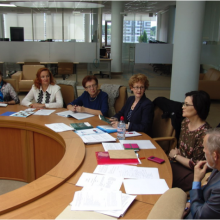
(52, 97)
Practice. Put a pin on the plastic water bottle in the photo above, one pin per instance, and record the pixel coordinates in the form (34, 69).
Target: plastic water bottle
(121, 129)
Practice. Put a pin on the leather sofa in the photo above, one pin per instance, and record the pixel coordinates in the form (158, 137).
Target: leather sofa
(210, 83)
(25, 79)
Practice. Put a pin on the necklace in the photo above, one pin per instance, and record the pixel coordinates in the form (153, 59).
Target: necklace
(92, 100)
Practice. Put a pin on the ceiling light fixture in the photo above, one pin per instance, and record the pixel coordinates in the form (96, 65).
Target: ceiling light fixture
(7, 5)
(58, 4)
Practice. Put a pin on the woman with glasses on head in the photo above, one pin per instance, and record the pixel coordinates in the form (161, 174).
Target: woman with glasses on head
(93, 100)
(44, 92)
(190, 151)
(138, 110)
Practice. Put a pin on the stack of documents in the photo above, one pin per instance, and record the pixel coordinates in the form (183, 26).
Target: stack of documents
(94, 135)
(139, 180)
(101, 194)
(76, 115)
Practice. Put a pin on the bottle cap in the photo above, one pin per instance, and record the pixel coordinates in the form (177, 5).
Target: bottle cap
(122, 118)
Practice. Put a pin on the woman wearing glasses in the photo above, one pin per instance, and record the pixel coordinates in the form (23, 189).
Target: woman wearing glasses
(138, 110)
(93, 100)
(193, 128)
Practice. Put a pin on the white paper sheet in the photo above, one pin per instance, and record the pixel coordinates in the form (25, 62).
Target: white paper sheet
(126, 171)
(101, 181)
(44, 112)
(97, 200)
(143, 144)
(3, 104)
(112, 146)
(143, 186)
(76, 115)
(59, 127)
(91, 131)
(132, 134)
(126, 202)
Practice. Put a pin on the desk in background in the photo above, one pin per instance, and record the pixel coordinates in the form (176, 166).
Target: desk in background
(103, 65)
(52, 163)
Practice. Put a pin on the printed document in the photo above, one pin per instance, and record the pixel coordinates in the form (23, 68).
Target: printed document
(44, 112)
(97, 200)
(126, 171)
(59, 127)
(112, 146)
(132, 134)
(100, 181)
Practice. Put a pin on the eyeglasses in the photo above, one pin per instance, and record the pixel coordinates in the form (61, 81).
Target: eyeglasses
(186, 104)
(92, 86)
(137, 88)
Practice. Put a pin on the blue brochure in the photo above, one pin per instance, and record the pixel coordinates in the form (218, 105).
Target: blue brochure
(7, 113)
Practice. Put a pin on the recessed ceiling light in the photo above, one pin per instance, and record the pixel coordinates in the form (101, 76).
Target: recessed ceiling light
(7, 5)
(60, 4)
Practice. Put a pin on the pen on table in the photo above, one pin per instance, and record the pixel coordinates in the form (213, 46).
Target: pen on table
(141, 158)
(95, 131)
(129, 133)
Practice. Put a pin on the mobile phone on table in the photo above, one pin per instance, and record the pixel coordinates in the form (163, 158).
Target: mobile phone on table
(156, 159)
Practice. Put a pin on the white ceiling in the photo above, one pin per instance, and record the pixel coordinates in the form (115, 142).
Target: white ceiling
(135, 6)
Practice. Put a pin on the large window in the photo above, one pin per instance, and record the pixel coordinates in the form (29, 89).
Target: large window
(51, 25)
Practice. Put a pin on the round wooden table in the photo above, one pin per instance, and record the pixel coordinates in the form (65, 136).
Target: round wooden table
(51, 163)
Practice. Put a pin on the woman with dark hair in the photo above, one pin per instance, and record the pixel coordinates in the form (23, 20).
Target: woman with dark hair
(138, 111)
(44, 91)
(93, 100)
(195, 110)
(7, 93)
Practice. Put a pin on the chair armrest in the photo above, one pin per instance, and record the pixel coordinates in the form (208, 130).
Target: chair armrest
(17, 76)
(173, 141)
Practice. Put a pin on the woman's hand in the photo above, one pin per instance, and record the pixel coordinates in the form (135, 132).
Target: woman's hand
(37, 106)
(114, 122)
(174, 152)
(80, 109)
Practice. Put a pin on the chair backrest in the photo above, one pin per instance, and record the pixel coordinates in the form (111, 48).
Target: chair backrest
(122, 98)
(119, 101)
(68, 90)
(170, 205)
(212, 74)
(29, 71)
(162, 127)
(65, 68)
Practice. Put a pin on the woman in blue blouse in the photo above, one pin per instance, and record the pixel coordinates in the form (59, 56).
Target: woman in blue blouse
(93, 100)
(138, 111)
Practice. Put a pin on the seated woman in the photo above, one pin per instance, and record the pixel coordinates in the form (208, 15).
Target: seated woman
(7, 93)
(195, 110)
(93, 101)
(138, 111)
(44, 91)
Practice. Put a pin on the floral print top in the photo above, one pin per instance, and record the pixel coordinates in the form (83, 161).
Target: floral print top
(191, 142)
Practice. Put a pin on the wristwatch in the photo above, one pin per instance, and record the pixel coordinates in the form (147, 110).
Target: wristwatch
(174, 157)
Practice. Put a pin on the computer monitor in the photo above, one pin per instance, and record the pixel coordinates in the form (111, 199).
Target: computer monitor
(102, 52)
(17, 33)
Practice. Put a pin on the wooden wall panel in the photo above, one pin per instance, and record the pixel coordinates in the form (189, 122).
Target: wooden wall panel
(47, 153)
(12, 154)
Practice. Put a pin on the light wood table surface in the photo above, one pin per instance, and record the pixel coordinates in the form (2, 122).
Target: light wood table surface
(52, 163)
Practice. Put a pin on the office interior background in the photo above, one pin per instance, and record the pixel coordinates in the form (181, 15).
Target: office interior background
(183, 35)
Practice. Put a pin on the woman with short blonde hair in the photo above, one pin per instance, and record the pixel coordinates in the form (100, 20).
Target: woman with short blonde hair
(138, 111)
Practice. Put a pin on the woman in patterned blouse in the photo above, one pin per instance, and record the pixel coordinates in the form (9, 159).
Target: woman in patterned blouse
(190, 151)
(44, 91)
(7, 93)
